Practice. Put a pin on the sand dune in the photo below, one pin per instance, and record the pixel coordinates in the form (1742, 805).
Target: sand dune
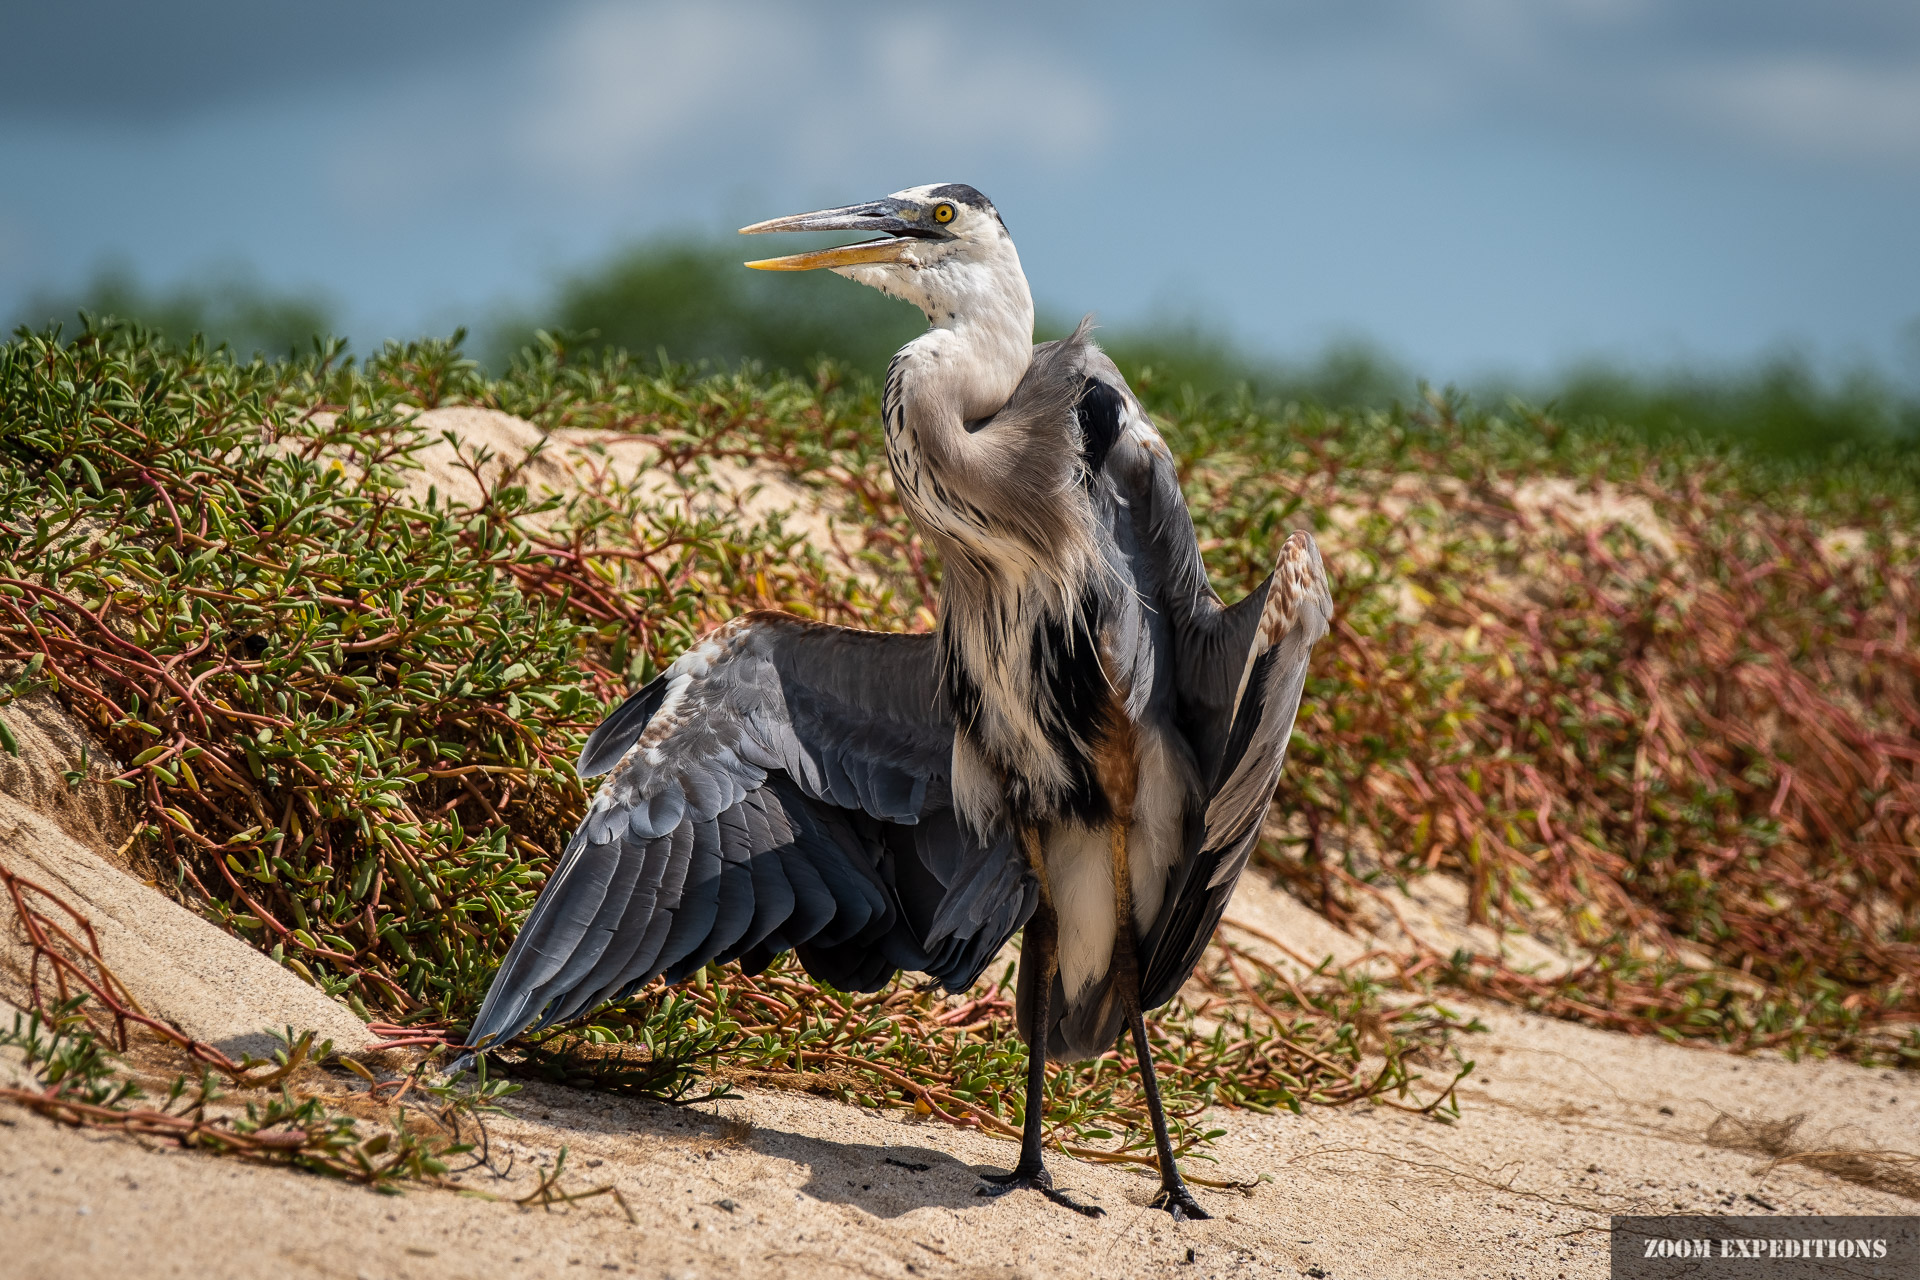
(1561, 1125)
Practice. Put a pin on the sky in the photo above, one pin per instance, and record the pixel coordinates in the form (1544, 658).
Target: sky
(1480, 186)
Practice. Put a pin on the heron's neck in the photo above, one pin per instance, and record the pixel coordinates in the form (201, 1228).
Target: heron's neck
(980, 336)
(987, 466)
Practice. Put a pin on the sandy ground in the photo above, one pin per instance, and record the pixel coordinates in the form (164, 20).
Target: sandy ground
(1561, 1126)
(177, 966)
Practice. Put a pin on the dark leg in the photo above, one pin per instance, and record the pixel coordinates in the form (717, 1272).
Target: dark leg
(1174, 1196)
(1041, 948)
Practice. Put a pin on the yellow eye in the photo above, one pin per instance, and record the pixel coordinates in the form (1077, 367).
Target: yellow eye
(943, 213)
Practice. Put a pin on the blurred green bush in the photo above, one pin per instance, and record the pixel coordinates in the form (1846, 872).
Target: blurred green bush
(693, 301)
(232, 306)
(687, 299)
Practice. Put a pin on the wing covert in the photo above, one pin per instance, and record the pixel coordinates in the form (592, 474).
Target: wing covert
(783, 785)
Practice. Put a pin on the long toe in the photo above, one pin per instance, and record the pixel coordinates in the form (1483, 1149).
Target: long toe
(1179, 1202)
(1080, 1207)
(998, 1184)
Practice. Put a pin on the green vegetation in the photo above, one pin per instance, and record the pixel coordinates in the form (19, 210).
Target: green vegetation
(75, 1043)
(1659, 702)
(81, 1080)
(1779, 406)
(688, 299)
(349, 714)
(1655, 700)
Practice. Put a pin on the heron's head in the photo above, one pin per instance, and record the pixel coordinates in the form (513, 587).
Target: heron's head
(941, 247)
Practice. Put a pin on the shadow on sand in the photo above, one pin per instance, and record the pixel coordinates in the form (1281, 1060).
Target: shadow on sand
(883, 1179)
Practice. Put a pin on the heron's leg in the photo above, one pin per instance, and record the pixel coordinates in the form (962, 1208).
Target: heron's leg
(1174, 1196)
(1042, 946)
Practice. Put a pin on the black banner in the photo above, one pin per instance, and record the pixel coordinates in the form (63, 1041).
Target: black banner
(1766, 1248)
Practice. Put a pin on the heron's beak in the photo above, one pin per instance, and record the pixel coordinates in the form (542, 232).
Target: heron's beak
(898, 220)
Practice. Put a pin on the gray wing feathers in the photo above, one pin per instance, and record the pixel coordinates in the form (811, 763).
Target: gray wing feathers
(1209, 641)
(1229, 677)
(1256, 749)
(606, 744)
(756, 781)
(1270, 677)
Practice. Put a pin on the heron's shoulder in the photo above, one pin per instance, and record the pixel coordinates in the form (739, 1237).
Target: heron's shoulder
(1079, 357)
(1130, 450)
(1076, 353)
(1138, 444)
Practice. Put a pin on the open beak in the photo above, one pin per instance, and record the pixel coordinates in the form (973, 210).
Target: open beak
(897, 220)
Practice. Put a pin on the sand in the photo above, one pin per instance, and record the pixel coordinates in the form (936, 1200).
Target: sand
(177, 966)
(1560, 1127)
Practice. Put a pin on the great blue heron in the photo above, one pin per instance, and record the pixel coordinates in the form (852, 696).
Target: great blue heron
(1086, 745)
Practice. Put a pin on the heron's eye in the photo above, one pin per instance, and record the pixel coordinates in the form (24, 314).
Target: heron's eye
(943, 213)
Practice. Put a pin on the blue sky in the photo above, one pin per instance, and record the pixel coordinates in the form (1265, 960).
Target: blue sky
(1479, 185)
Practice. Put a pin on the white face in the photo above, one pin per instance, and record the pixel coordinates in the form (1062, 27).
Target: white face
(944, 249)
(955, 259)
(949, 216)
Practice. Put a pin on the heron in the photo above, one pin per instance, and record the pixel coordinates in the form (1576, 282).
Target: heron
(1085, 746)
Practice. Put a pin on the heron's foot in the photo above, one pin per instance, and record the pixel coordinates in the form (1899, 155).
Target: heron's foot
(1034, 1179)
(1178, 1201)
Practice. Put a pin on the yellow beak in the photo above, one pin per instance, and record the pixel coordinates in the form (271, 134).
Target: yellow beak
(887, 216)
(845, 256)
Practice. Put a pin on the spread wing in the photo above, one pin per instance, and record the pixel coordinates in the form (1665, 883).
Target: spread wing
(783, 785)
(1236, 671)
(1296, 611)
(1205, 642)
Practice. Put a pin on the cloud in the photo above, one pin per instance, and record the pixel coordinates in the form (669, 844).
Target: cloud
(622, 88)
(979, 91)
(1838, 83)
(1817, 105)
(618, 84)
(627, 106)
